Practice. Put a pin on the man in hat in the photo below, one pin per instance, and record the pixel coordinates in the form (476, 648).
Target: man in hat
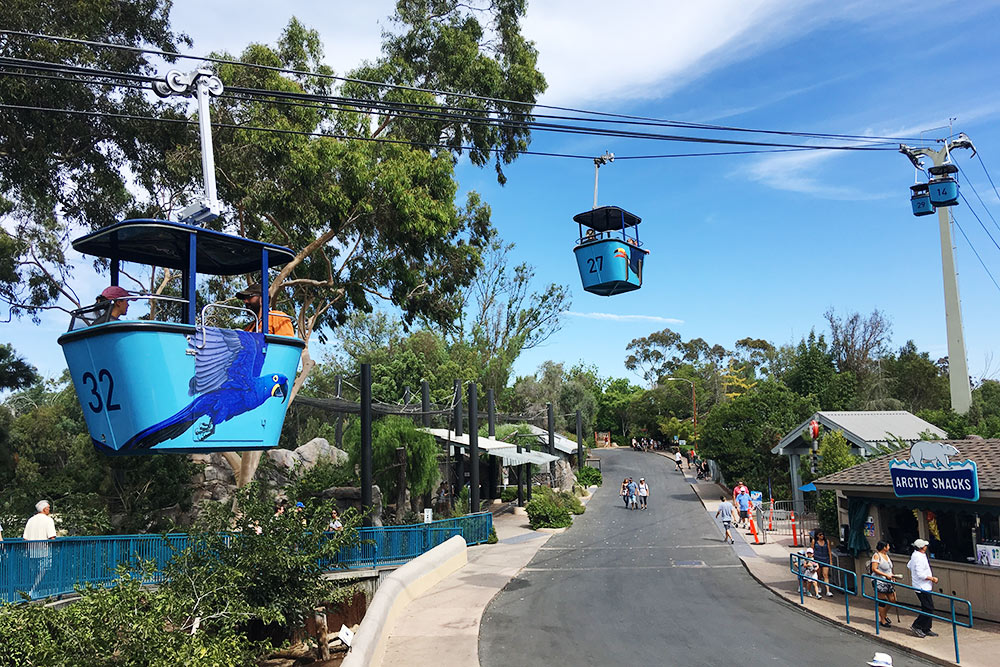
(278, 323)
(922, 578)
(881, 660)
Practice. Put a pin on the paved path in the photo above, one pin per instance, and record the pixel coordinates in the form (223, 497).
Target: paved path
(658, 588)
(441, 627)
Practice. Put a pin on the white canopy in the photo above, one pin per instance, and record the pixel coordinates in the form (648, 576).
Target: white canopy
(493, 447)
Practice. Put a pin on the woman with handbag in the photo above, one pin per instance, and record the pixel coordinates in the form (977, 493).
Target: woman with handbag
(881, 569)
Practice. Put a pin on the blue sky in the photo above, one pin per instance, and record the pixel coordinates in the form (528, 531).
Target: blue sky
(741, 246)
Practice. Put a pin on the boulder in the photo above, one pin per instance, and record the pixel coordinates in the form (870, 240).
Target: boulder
(563, 477)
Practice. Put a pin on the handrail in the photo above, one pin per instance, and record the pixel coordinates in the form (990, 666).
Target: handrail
(100, 308)
(795, 566)
(955, 623)
(54, 567)
(204, 311)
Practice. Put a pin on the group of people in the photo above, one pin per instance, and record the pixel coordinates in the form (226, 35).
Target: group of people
(728, 512)
(646, 444)
(635, 494)
(921, 578)
(116, 300)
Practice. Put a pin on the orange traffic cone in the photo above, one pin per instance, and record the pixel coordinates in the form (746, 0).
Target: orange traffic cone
(753, 531)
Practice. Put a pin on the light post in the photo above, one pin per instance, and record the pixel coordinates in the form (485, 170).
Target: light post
(694, 402)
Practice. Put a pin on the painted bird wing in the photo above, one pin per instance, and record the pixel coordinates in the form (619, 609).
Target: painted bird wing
(225, 358)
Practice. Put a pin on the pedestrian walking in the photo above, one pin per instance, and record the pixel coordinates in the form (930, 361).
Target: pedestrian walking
(39, 530)
(881, 568)
(623, 492)
(743, 504)
(643, 492)
(678, 460)
(741, 487)
(822, 548)
(725, 512)
(633, 490)
(810, 572)
(923, 579)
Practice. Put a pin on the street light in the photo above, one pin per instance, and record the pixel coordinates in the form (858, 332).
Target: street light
(694, 402)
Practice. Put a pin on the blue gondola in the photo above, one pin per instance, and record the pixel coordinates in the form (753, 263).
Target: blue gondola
(609, 255)
(153, 386)
(943, 186)
(920, 200)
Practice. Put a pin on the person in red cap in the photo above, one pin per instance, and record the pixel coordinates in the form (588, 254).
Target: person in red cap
(119, 303)
(278, 323)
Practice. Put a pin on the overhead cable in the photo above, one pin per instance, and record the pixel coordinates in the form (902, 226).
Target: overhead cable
(170, 55)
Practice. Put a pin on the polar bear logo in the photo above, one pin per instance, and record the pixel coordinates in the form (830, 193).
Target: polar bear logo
(935, 452)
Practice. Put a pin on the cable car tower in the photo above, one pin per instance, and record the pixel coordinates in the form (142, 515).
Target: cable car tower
(941, 193)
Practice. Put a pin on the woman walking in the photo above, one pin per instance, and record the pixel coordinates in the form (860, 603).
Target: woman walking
(821, 547)
(881, 567)
(623, 492)
(643, 492)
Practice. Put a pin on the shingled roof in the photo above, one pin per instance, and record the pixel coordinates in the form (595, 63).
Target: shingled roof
(875, 472)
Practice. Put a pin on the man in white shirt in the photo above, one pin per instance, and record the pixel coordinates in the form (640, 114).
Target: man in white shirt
(40, 528)
(921, 577)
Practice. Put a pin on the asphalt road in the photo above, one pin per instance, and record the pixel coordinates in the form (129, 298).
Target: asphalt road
(654, 587)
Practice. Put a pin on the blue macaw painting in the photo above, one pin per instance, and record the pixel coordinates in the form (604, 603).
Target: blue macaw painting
(227, 383)
(148, 388)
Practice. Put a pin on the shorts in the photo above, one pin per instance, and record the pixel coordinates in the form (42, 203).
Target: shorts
(727, 524)
(744, 514)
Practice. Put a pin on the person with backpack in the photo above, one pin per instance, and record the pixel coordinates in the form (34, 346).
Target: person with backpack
(633, 490)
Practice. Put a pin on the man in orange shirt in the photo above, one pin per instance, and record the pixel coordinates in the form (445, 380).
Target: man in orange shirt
(278, 323)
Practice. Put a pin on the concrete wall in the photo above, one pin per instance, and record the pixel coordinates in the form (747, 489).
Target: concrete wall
(395, 592)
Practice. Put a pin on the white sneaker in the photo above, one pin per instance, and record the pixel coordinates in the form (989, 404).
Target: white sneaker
(829, 594)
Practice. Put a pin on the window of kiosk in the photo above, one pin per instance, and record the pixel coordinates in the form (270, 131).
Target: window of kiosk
(900, 526)
(952, 535)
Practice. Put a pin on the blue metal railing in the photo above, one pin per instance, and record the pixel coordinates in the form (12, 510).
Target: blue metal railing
(795, 563)
(55, 567)
(954, 620)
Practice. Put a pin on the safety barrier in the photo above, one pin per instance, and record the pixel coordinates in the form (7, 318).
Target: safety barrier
(782, 519)
(55, 567)
(954, 620)
(795, 562)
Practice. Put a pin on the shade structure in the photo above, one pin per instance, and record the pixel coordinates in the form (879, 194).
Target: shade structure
(511, 457)
(808, 487)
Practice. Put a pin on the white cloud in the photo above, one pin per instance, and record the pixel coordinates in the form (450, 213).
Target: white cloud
(614, 317)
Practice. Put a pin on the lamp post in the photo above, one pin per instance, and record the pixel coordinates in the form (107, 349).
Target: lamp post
(694, 402)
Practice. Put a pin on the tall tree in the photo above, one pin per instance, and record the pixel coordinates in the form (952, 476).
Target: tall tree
(63, 172)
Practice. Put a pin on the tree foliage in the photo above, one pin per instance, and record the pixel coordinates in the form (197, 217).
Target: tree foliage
(740, 433)
(63, 172)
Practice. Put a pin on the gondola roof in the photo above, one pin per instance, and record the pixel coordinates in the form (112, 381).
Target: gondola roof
(165, 243)
(607, 218)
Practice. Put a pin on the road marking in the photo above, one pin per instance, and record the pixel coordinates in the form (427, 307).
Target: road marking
(630, 567)
(627, 548)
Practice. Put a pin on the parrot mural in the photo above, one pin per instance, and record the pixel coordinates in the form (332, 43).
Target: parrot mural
(227, 383)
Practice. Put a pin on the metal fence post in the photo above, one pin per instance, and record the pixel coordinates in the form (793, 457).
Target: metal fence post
(366, 442)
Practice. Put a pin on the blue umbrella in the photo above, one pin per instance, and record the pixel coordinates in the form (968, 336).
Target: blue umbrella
(808, 487)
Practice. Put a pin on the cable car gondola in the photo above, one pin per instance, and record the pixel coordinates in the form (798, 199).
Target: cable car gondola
(920, 200)
(609, 255)
(943, 186)
(151, 386)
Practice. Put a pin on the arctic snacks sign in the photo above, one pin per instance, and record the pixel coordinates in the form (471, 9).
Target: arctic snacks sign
(930, 472)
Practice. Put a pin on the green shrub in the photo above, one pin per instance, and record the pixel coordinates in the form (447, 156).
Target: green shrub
(570, 502)
(509, 494)
(589, 476)
(545, 512)
(492, 539)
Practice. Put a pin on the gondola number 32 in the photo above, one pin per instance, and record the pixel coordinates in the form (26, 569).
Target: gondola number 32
(97, 383)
